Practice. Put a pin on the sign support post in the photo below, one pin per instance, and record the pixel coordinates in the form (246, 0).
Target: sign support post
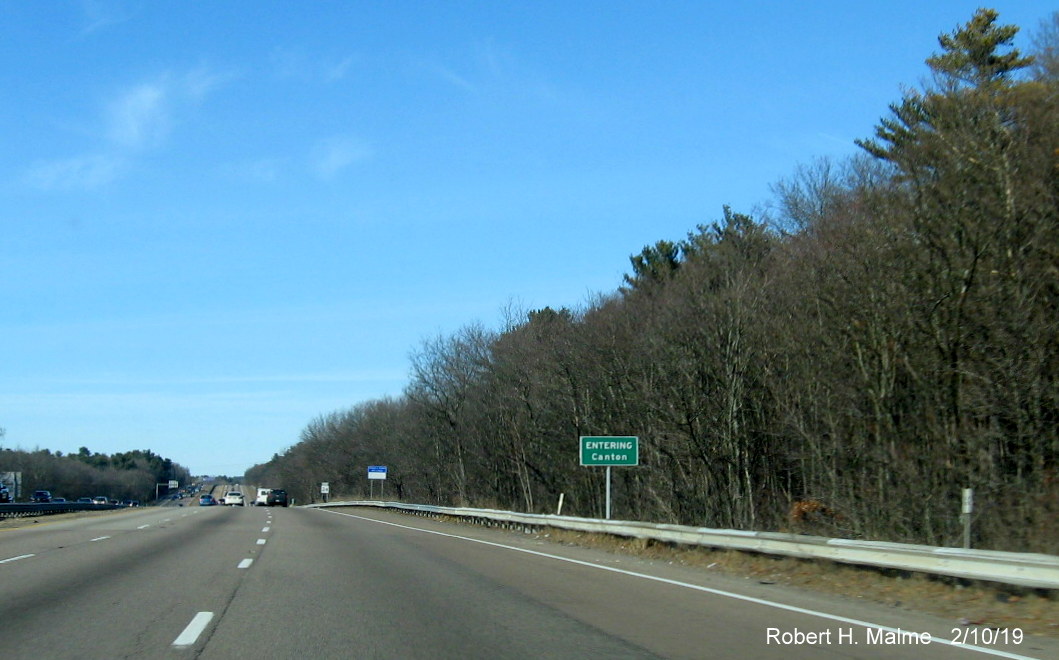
(608, 492)
(377, 472)
(172, 485)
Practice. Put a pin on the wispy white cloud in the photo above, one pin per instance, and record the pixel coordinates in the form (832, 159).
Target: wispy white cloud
(100, 15)
(491, 70)
(200, 81)
(295, 64)
(134, 382)
(450, 76)
(109, 404)
(261, 170)
(137, 118)
(287, 63)
(77, 173)
(141, 116)
(334, 71)
(331, 156)
(493, 58)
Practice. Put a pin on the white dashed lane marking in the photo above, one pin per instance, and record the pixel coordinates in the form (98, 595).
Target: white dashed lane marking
(245, 563)
(11, 559)
(194, 629)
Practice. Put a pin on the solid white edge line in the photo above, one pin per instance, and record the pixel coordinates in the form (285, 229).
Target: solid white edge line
(245, 563)
(194, 629)
(10, 559)
(716, 592)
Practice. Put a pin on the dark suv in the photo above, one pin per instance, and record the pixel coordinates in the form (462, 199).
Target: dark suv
(277, 498)
(5, 495)
(40, 497)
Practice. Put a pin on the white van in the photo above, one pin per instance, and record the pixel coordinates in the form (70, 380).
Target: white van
(262, 496)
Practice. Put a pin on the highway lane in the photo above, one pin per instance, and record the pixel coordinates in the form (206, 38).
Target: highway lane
(355, 591)
(116, 586)
(354, 583)
(368, 583)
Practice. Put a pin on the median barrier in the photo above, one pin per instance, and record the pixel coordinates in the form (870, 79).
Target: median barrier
(21, 510)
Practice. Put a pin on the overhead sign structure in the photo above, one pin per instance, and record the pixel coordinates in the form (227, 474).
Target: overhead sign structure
(607, 451)
(376, 472)
(610, 450)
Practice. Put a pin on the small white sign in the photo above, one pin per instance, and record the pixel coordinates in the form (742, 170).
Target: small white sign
(174, 484)
(968, 500)
(376, 472)
(325, 488)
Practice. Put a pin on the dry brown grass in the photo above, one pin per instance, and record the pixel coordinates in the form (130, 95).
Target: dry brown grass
(985, 604)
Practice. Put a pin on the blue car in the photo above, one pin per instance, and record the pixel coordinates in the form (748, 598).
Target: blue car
(207, 500)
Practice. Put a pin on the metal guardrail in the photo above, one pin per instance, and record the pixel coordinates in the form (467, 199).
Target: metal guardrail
(25, 510)
(1029, 570)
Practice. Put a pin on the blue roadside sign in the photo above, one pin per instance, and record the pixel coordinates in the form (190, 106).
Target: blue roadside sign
(376, 472)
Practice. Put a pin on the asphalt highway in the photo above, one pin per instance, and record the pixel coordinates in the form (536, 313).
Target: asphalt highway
(256, 582)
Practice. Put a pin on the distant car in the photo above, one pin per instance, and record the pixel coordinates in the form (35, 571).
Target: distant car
(5, 495)
(277, 497)
(84, 500)
(40, 497)
(233, 498)
(58, 500)
(130, 503)
(99, 499)
(207, 500)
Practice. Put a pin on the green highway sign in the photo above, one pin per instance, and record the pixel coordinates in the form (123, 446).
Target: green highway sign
(610, 450)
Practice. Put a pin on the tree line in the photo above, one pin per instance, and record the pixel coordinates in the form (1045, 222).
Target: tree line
(886, 334)
(130, 475)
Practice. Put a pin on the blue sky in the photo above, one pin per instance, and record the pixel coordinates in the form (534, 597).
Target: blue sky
(222, 219)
